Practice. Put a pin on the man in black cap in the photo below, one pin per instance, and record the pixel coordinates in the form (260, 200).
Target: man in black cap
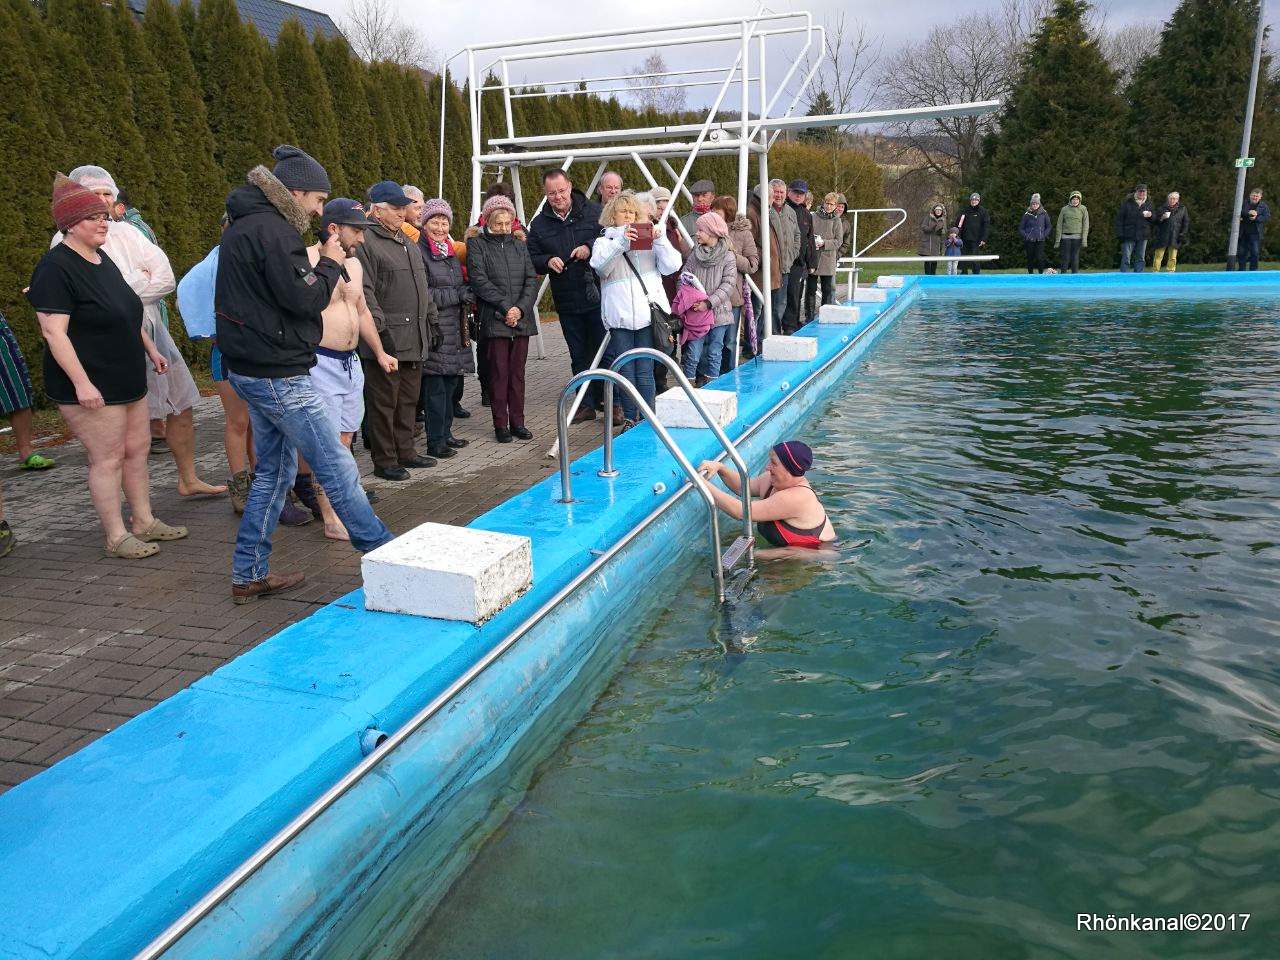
(268, 299)
(1133, 223)
(806, 262)
(395, 288)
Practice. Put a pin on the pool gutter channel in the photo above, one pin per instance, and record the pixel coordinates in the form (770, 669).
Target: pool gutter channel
(203, 907)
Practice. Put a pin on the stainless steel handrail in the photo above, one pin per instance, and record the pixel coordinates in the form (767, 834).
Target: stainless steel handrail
(612, 379)
(744, 474)
(168, 937)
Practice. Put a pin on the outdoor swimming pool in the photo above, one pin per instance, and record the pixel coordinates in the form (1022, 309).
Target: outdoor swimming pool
(1039, 681)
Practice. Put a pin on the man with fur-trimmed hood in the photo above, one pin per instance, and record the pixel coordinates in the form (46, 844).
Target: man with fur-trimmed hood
(268, 299)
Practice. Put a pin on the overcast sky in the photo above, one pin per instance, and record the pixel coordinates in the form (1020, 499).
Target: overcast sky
(450, 25)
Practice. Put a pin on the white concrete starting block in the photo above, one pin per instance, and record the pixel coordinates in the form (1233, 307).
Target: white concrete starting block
(449, 573)
(870, 295)
(838, 313)
(790, 348)
(889, 282)
(675, 410)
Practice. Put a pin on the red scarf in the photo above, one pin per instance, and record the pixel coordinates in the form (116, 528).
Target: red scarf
(701, 207)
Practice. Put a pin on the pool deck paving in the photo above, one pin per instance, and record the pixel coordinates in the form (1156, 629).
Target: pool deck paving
(86, 642)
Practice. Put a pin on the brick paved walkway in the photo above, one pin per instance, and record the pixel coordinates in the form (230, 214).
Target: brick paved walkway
(87, 642)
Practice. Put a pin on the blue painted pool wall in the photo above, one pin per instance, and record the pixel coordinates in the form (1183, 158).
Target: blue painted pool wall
(103, 850)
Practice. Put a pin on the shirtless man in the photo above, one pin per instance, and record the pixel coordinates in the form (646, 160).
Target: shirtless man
(337, 376)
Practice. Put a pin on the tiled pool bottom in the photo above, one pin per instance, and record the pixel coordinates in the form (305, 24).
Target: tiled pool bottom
(1040, 681)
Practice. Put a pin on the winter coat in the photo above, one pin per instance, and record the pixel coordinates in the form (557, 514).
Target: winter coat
(267, 295)
(788, 236)
(575, 289)
(1073, 223)
(1130, 223)
(719, 279)
(974, 224)
(830, 228)
(1249, 227)
(745, 255)
(670, 281)
(775, 253)
(1036, 225)
(454, 299)
(396, 290)
(806, 252)
(1171, 232)
(502, 277)
(933, 234)
(624, 300)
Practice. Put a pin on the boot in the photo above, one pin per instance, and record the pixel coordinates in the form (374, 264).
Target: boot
(294, 514)
(304, 485)
(238, 490)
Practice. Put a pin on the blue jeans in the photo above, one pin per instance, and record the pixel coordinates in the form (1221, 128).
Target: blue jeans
(639, 372)
(1133, 255)
(709, 349)
(288, 417)
(1251, 247)
(779, 298)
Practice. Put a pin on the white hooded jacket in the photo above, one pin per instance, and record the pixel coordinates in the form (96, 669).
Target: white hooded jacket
(623, 301)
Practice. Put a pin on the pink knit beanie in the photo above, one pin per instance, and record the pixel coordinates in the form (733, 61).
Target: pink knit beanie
(497, 202)
(437, 208)
(713, 224)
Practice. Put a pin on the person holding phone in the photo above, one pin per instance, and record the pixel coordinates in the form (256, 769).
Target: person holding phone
(269, 300)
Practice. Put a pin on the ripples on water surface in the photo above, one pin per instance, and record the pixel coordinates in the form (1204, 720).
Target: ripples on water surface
(1045, 684)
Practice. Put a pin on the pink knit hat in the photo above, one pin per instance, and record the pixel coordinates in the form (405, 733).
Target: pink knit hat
(437, 208)
(497, 202)
(713, 224)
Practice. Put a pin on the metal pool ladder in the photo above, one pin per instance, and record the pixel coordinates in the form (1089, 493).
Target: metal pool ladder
(744, 545)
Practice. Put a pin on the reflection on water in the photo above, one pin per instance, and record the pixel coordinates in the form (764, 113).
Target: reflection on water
(1044, 683)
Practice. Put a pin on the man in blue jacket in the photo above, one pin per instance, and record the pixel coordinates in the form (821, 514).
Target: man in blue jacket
(560, 239)
(268, 299)
(1253, 220)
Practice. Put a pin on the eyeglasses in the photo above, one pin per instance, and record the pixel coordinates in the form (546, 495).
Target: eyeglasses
(98, 218)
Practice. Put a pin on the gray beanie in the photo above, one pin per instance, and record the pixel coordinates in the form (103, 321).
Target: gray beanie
(298, 170)
(1035, 198)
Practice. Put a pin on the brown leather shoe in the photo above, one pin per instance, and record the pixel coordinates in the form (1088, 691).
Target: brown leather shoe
(271, 583)
(584, 414)
(618, 418)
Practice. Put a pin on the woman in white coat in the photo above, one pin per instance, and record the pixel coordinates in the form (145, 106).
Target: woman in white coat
(630, 280)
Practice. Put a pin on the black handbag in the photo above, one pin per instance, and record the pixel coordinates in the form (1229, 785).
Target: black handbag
(665, 327)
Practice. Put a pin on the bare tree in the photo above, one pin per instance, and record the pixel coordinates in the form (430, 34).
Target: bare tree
(376, 32)
(977, 57)
(851, 58)
(1127, 44)
(651, 92)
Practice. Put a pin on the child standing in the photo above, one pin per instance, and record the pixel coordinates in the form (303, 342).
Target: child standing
(953, 247)
(712, 262)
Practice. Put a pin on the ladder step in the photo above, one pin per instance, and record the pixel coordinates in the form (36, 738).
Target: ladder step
(737, 550)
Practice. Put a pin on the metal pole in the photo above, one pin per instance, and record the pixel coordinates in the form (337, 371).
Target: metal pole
(1233, 239)
(607, 469)
(444, 106)
(766, 211)
(476, 169)
(743, 149)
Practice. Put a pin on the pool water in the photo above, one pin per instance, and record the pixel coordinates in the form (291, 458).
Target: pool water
(1040, 680)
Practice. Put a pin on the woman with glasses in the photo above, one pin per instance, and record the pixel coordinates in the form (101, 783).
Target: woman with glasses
(95, 359)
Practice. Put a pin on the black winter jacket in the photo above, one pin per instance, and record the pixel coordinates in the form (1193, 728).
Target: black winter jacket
(974, 224)
(576, 289)
(808, 255)
(1171, 232)
(267, 296)
(1130, 223)
(1254, 226)
(453, 298)
(502, 277)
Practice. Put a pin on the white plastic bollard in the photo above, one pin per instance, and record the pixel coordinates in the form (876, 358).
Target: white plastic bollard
(675, 410)
(870, 295)
(446, 572)
(889, 282)
(789, 348)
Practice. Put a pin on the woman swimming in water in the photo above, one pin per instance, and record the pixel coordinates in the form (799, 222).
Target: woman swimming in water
(785, 508)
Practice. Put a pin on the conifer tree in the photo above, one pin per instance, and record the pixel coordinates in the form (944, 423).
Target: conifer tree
(206, 185)
(35, 38)
(357, 138)
(27, 166)
(240, 108)
(281, 127)
(308, 102)
(153, 113)
(187, 21)
(1061, 129)
(88, 25)
(1187, 106)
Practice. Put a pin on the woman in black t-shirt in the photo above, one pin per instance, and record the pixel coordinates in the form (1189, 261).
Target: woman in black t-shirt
(94, 367)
